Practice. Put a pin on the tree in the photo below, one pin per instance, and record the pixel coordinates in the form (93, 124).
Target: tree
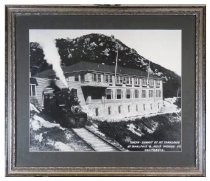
(37, 61)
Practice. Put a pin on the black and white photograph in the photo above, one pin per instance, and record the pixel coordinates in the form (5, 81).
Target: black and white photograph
(107, 90)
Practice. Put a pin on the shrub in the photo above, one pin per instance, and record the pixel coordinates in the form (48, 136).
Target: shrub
(164, 131)
(178, 102)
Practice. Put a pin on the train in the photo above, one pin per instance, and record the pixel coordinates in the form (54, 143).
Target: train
(63, 106)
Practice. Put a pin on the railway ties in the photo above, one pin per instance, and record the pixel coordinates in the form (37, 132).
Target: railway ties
(95, 142)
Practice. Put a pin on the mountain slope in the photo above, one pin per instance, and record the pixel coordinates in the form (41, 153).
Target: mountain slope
(99, 48)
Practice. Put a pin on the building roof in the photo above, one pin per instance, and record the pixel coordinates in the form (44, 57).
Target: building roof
(93, 67)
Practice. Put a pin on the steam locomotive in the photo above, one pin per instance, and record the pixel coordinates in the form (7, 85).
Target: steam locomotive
(63, 106)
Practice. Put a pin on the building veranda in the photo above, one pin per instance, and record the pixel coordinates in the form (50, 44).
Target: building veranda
(103, 92)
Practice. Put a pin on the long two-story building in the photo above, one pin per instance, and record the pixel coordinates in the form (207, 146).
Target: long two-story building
(103, 92)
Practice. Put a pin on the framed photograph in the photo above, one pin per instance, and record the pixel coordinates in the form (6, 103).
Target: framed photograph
(105, 90)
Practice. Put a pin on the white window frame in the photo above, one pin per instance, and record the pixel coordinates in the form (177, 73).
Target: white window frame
(144, 107)
(143, 95)
(117, 79)
(99, 78)
(75, 78)
(151, 83)
(110, 79)
(97, 111)
(151, 106)
(136, 92)
(158, 93)
(136, 81)
(121, 93)
(126, 92)
(144, 82)
(119, 109)
(129, 108)
(157, 83)
(94, 77)
(151, 93)
(139, 79)
(121, 80)
(109, 110)
(111, 93)
(106, 78)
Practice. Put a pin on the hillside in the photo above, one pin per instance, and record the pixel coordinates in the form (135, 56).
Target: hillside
(48, 135)
(99, 48)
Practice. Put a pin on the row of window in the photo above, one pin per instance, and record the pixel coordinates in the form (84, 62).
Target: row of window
(128, 95)
(109, 109)
(97, 77)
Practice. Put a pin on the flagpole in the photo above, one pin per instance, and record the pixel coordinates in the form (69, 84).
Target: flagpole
(148, 74)
(117, 46)
(115, 72)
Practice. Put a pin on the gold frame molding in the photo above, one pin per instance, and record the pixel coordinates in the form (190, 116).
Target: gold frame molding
(200, 110)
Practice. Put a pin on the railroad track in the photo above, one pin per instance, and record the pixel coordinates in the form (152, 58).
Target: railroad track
(94, 141)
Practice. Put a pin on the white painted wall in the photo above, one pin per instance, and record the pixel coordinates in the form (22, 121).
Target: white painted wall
(116, 116)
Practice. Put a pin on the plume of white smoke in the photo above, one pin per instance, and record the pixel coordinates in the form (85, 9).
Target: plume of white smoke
(52, 57)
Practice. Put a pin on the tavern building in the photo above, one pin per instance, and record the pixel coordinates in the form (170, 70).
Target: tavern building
(103, 91)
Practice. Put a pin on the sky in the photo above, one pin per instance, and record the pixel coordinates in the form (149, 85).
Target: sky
(159, 46)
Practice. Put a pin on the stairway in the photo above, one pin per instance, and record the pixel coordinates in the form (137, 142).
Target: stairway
(80, 95)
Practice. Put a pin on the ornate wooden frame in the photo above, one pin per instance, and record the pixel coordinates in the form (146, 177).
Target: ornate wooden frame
(13, 10)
